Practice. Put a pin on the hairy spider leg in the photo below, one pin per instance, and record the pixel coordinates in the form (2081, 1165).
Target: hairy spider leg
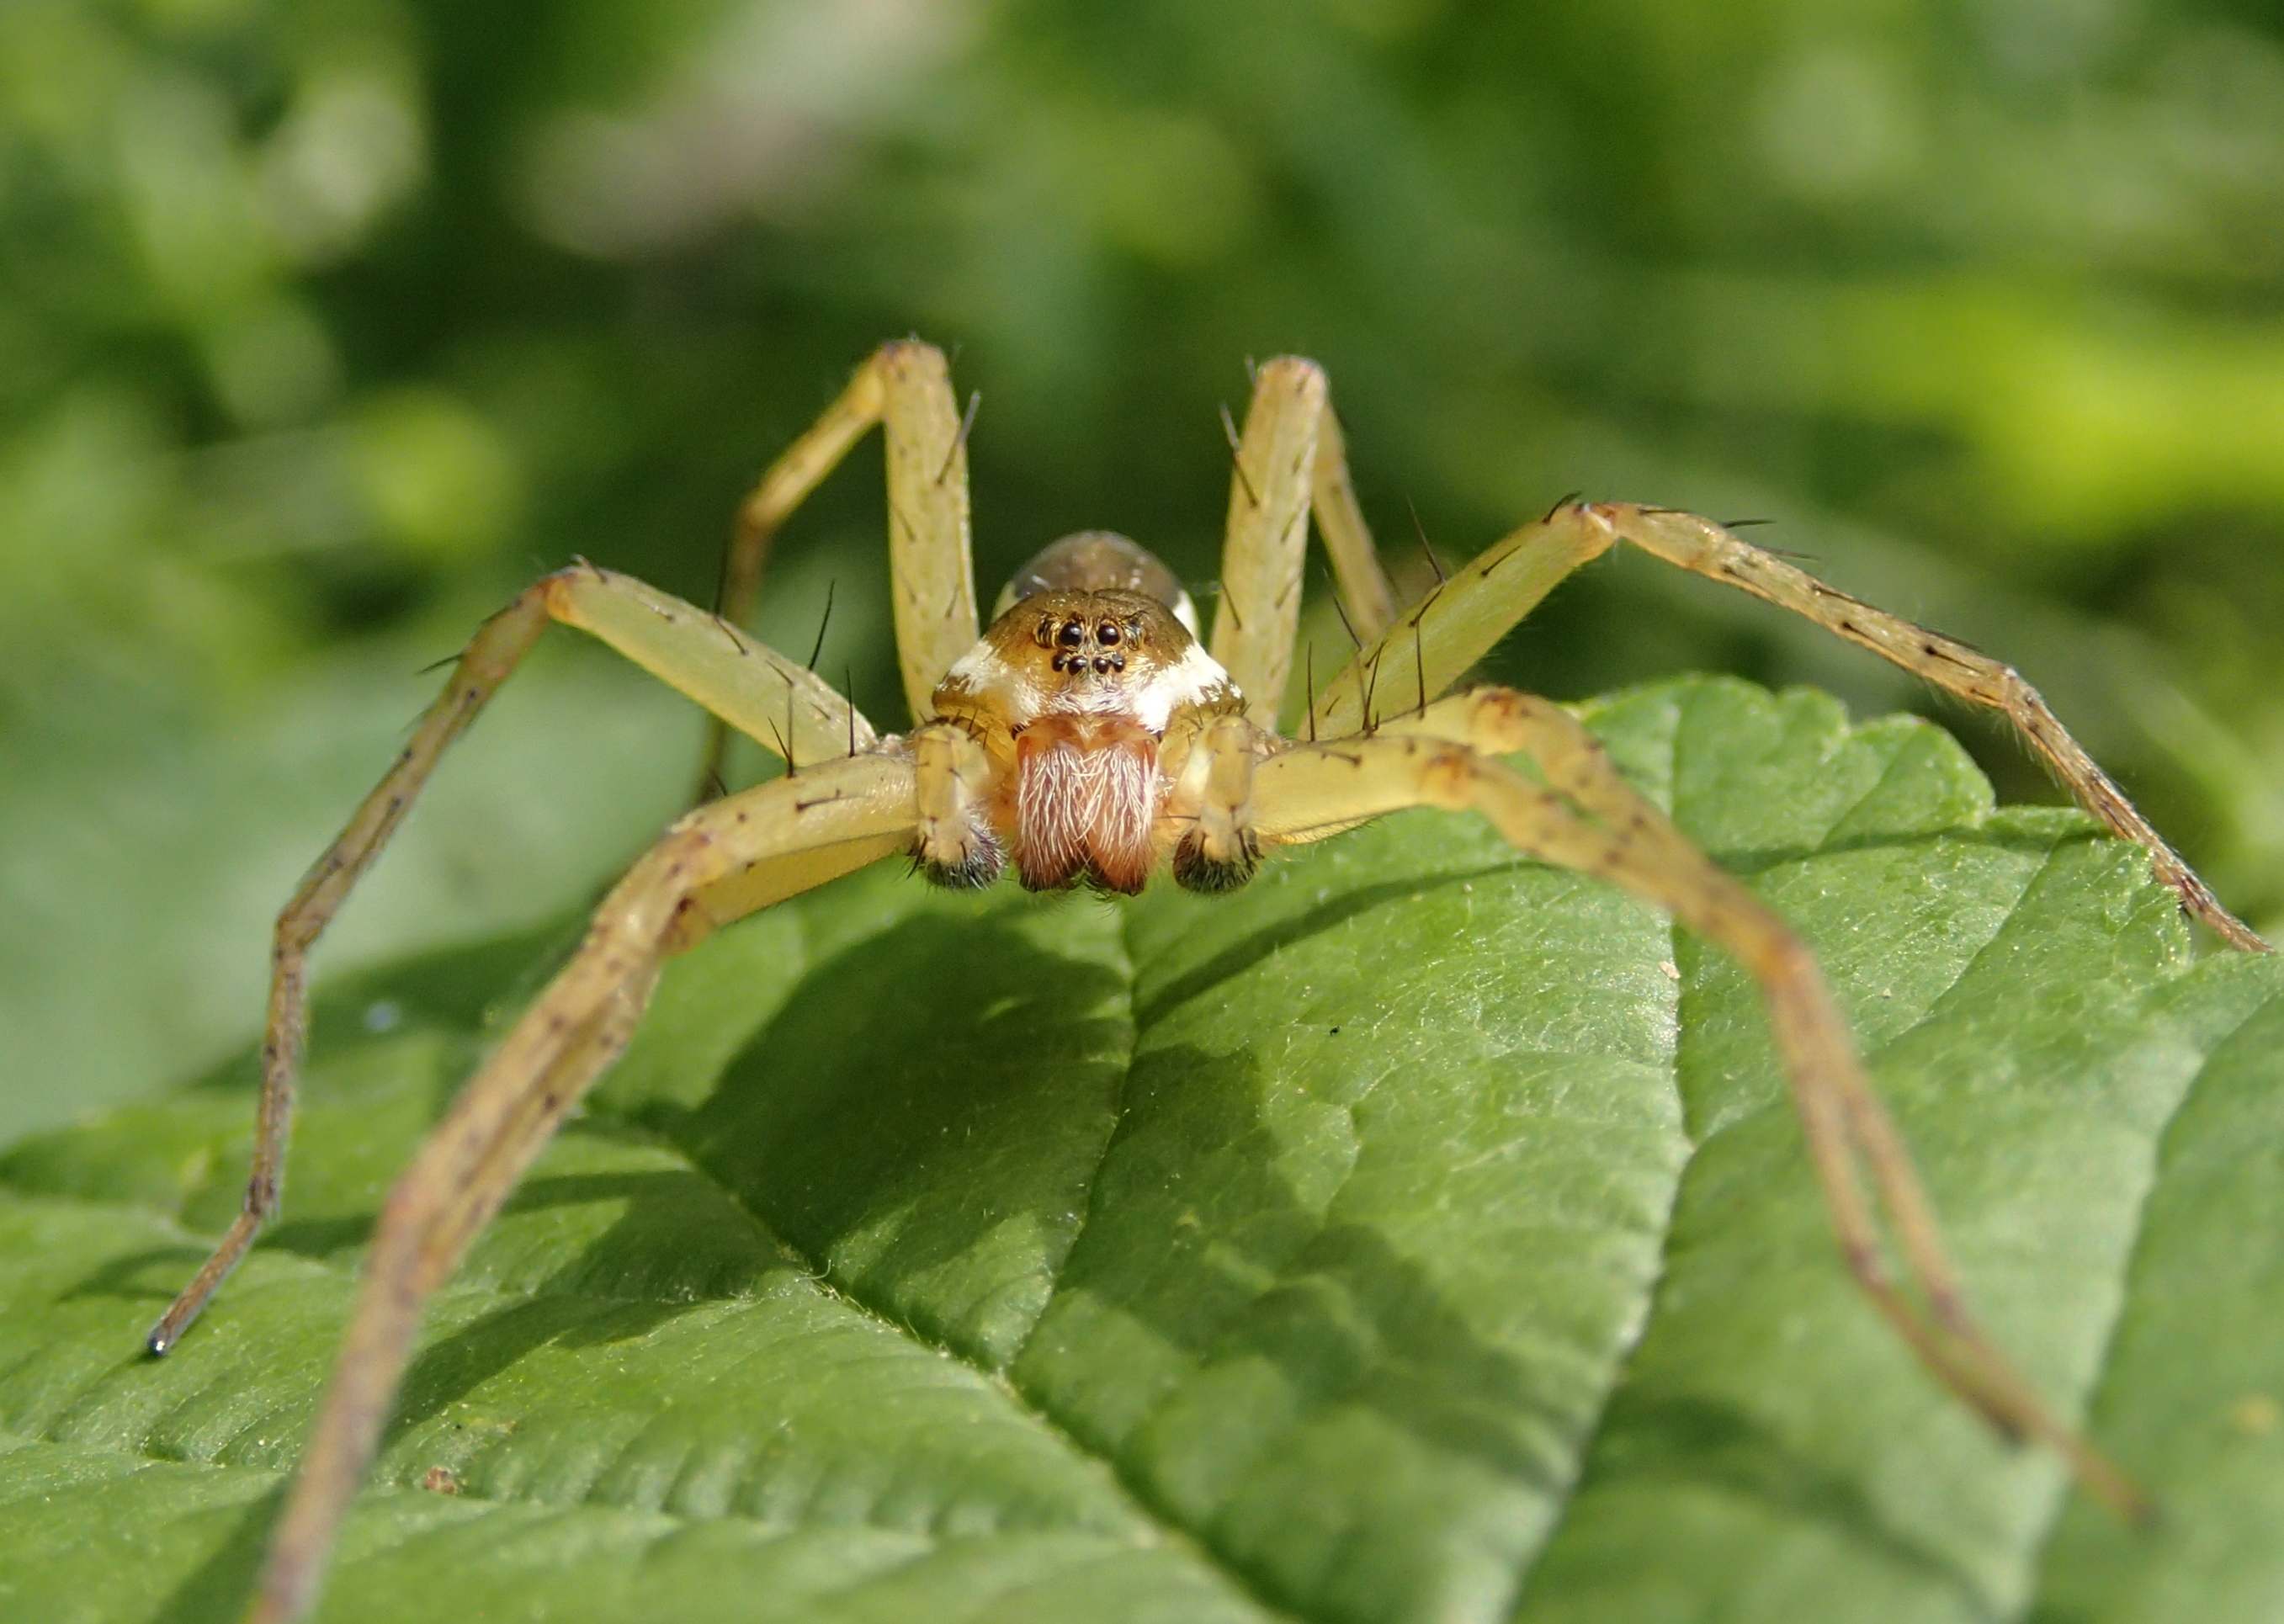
(1439, 758)
(760, 692)
(904, 387)
(1433, 644)
(1290, 462)
(781, 836)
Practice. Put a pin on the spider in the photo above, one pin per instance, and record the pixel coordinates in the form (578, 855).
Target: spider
(1087, 736)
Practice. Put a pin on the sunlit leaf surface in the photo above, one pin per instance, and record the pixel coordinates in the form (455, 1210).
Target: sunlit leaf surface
(1420, 1235)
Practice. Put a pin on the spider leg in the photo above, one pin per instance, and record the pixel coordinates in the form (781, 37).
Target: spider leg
(733, 676)
(1704, 547)
(1291, 461)
(905, 387)
(1587, 818)
(768, 841)
(1439, 638)
(1356, 574)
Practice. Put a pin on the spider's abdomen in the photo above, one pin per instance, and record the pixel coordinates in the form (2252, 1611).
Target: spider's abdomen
(1086, 792)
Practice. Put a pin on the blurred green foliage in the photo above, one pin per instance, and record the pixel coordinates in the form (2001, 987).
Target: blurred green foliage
(323, 328)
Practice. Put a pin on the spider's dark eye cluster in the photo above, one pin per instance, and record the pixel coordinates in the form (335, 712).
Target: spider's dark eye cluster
(1085, 647)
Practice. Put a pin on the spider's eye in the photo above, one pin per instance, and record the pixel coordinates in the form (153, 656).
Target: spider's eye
(1106, 633)
(1073, 633)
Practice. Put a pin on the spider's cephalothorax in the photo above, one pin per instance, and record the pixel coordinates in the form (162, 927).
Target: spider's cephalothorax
(1071, 693)
(1090, 736)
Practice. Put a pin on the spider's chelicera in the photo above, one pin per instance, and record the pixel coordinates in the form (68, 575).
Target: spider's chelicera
(1088, 736)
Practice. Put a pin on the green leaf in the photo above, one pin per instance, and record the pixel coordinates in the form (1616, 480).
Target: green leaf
(1418, 1235)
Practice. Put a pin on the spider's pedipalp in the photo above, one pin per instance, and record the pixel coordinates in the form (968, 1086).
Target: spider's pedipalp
(1218, 850)
(954, 844)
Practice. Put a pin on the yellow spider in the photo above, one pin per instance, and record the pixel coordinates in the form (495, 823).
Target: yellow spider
(1088, 736)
